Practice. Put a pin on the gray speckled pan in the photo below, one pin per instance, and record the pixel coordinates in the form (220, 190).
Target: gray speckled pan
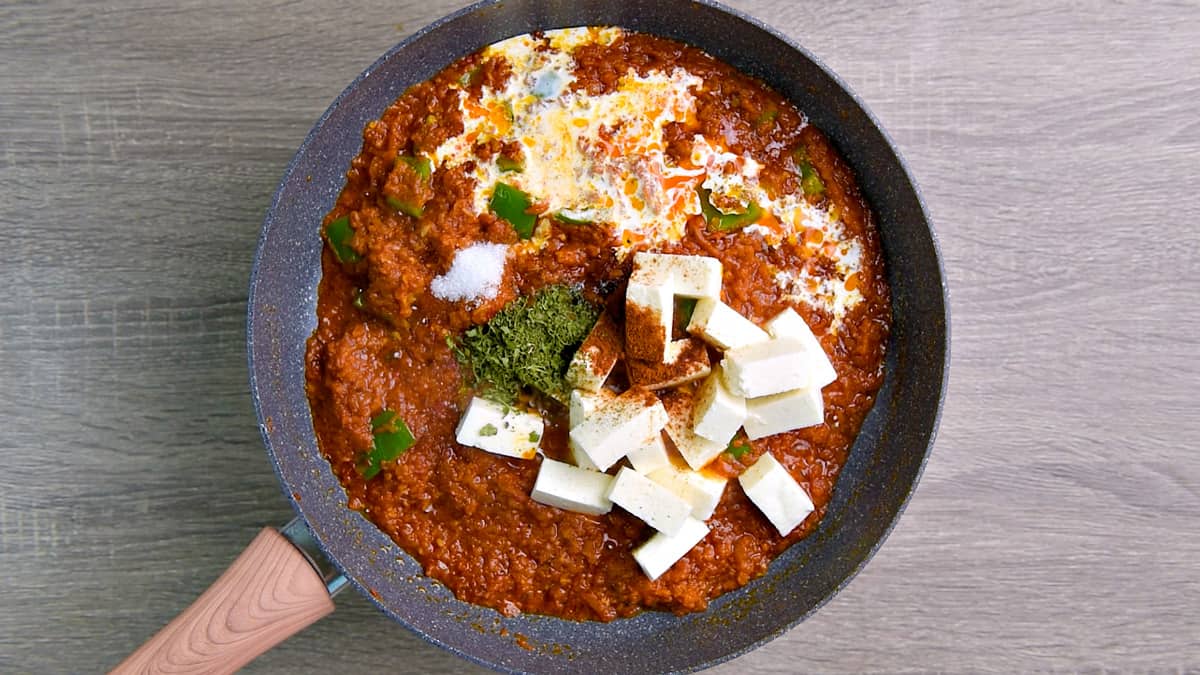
(874, 486)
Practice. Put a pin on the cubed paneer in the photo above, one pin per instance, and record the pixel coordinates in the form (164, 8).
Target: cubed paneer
(649, 311)
(789, 324)
(777, 413)
(571, 488)
(627, 422)
(651, 456)
(696, 450)
(500, 429)
(766, 368)
(585, 403)
(773, 490)
(718, 413)
(722, 327)
(661, 551)
(579, 458)
(694, 276)
(654, 504)
(702, 490)
(687, 360)
(595, 358)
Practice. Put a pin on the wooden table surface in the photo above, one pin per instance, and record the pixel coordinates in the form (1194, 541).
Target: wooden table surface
(1057, 525)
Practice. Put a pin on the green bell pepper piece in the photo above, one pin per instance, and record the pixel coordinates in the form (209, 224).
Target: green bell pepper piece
(421, 165)
(508, 164)
(392, 439)
(724, 222)
(404, 207)
(339, 233)
(513, 205)
(570, 217)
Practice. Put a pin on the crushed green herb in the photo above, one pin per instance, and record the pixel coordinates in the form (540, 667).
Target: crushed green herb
(534, 437)
(527, 345)
(488, 430)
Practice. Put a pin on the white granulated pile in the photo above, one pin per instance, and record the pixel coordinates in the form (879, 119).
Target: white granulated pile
(475, 274)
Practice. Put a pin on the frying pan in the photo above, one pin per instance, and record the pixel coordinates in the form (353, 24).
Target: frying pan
(284, 581)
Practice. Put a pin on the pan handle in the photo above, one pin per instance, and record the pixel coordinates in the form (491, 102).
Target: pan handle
(272, 591)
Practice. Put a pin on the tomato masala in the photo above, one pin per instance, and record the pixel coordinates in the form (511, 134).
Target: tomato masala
(652, 122)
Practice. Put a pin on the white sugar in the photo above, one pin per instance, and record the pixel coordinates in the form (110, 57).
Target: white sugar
(475, 274)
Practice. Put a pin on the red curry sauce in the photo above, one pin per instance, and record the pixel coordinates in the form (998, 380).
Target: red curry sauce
(465, 514)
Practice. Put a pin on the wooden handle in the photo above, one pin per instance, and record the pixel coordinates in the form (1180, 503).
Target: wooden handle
(268, 594)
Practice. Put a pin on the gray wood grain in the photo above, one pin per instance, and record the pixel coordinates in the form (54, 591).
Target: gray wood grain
(1057, 525)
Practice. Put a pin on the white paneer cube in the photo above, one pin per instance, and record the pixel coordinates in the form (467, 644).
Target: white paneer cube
(722, 327)
(694, 276)
(766, 368)
(703, 491)
(657, 506)
(580, 459)
(791, 325)
(500, 429)
(581, 404)
(650, 456)
(660, 552)
(696, 450)
(718, 413)
(687, 360)
(595, 358)
(627, 422)
(649, 311)
(573, 489)
(773, 490)
(584, 403)
(777, 413)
